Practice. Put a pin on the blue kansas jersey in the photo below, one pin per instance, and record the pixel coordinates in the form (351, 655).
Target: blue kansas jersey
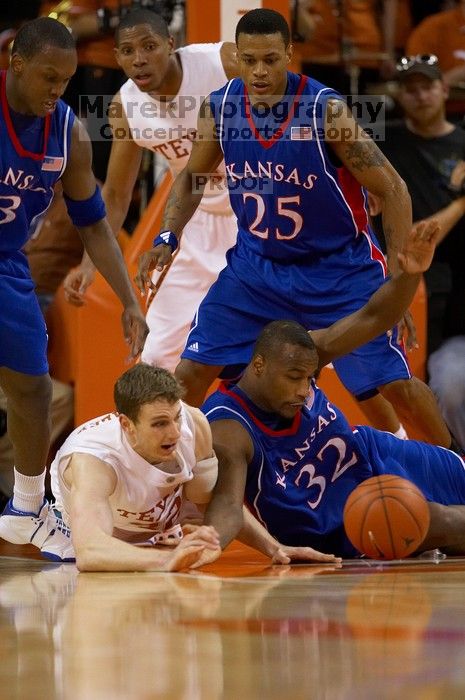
(292, 203)
(301, 475)
(304, 249)
(33, 156)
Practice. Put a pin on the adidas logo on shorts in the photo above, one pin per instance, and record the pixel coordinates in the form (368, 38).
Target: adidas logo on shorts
(194, 347)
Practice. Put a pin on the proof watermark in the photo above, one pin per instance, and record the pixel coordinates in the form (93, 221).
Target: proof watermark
(216, 183)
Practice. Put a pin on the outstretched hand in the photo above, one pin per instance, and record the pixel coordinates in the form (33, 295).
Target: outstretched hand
(418, 250)
(156, 259)
(284, 555)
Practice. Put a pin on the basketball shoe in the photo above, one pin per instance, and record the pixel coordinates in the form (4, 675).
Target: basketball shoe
(45, 529)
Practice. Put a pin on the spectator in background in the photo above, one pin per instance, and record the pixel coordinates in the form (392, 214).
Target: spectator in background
(446, 369)
(428, 151)
(403, 24)
(443, 34)
(354, 35)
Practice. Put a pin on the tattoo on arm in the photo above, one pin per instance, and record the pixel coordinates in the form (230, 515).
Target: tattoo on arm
(172, 209)
(364, 154)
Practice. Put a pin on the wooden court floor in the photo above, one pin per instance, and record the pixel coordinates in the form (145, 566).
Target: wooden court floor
(238, 629)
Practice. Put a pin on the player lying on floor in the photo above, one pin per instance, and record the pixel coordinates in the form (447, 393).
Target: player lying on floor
(120, 479)
(291, 455)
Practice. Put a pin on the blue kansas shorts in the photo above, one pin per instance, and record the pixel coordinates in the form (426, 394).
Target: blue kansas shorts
(23, 333)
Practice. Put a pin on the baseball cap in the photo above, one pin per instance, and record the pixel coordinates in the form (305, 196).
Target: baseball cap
(423, 64)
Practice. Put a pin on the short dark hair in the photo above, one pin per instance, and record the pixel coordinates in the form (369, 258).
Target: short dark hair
(39, 34)
(262, 21)
(279, 333)
(143, 384)
(143, 16)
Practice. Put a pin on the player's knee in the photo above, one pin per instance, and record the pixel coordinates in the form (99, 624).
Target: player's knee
(404, 392)
(192, 374)
(28, 388)
(30, 397)
(196, 379)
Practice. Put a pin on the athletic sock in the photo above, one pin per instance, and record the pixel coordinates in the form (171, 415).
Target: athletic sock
(28, 492)
(401, 433)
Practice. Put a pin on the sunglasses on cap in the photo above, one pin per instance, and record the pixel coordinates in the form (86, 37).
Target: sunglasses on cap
(427, 59)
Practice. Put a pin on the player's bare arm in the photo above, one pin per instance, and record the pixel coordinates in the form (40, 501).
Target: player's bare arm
(79, 184)
(234, 450)
(122, 172)
(92, 482)
(188, 187)
(123, 166)
(447, 217)
(185, 195)
(387, 305)
(368, 165)
(228, 54)
(450, 215)
(446, 530)
(362, 157)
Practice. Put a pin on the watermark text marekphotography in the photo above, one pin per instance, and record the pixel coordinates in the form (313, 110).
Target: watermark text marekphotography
(350, 117)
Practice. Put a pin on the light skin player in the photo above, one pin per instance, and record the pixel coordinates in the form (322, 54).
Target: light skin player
(278, 384)
(150, 429)
(39, 72)
(263, 60)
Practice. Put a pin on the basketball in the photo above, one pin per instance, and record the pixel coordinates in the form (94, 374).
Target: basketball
(386, 517)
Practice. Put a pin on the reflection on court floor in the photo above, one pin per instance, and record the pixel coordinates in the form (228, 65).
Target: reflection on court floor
(237, 629)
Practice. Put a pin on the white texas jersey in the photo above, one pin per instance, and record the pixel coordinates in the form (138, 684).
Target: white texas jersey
(168, 128)
(147, 498)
